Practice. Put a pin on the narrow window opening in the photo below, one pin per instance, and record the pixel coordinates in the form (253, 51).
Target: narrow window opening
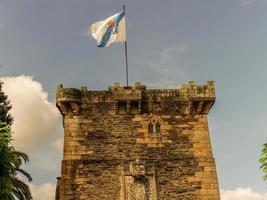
(122, 107)
(134, 107)
(150, 127)
(154, 126)
(157, 127)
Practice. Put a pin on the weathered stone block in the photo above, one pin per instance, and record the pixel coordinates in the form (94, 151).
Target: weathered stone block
(131, 143)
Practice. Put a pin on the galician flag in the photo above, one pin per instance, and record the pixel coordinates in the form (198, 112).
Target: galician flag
(112, 29)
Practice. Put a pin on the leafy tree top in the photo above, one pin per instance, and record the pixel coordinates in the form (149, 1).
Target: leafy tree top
(8, 162)
(11, 186)
(263, 161)
(5, 107)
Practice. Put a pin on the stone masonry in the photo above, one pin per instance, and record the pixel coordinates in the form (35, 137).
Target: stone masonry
(133, 143)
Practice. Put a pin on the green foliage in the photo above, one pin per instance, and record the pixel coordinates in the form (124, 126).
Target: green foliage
(10, 166)
(20, 189)
(263, 161)
(5, 107)
(11, 186)
(8, 162)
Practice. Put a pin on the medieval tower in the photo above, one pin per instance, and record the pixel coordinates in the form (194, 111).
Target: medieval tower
(133, 143)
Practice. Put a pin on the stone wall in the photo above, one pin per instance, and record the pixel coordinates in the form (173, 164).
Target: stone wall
(130, 143)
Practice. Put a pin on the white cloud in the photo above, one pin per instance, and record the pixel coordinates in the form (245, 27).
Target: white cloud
(45, 191)
(165, 65)
(162, 83)
(242, 194)
(35, 118)
(170, 52)
(168, 67)
(59, 145)
(246, 3)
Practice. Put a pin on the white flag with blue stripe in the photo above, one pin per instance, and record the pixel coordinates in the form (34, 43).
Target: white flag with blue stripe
(112, 29)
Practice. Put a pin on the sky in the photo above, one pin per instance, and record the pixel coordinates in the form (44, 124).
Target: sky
(44, 43)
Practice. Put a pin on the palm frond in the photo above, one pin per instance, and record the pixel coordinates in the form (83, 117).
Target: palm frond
(26, 174)
(22, 157)
(21, 189)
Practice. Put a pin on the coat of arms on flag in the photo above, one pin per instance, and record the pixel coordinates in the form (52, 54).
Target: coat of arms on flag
(112, 29)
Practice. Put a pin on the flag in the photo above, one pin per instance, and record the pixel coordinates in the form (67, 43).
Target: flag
(112, 29)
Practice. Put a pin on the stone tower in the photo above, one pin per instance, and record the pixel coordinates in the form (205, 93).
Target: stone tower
(133, 143)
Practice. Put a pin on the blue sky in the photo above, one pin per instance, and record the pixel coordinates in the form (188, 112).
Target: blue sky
(169, 43)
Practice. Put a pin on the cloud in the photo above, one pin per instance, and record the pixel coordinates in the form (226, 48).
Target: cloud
(170, 52)
(35, 118)
(58, 144)
(167, 59)
(162, 83)
(45, 191)
(246, 3)
(167, 69)
(242, 194)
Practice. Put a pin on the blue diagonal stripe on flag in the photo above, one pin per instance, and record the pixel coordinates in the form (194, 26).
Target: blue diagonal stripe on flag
(110, 30)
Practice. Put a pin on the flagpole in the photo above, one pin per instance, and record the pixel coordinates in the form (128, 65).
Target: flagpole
(126, 54)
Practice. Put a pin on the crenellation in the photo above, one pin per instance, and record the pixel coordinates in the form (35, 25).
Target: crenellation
(131, 143)
(189, 99)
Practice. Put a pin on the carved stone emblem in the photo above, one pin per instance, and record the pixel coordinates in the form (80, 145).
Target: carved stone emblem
(138, 182)
(137, 168)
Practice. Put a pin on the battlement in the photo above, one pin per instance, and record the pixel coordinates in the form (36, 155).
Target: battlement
(188, 99)
(129, 143)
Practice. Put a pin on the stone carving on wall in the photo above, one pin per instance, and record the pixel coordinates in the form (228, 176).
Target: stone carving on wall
(138, 182)
(153, 126)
